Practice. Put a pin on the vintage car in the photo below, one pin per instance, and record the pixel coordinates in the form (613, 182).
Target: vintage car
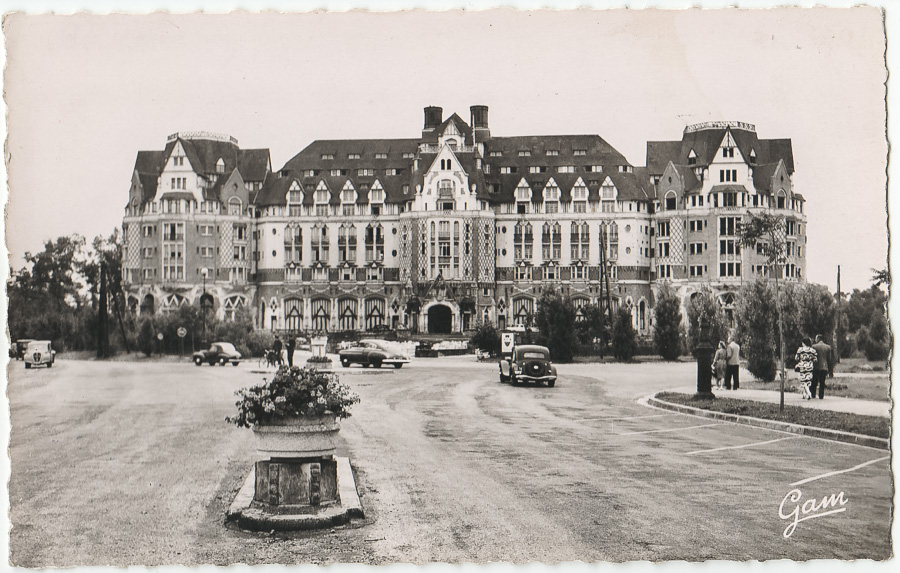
(218, 353)
(528, 363)
(373, 353)
(39, 352)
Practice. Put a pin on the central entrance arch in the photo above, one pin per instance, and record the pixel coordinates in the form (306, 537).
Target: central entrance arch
(440, 319)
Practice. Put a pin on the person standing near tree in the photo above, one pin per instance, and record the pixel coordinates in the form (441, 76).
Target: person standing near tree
(719, 365)
(291, 342)
(824, 365)
(806, 363)
(733, 367)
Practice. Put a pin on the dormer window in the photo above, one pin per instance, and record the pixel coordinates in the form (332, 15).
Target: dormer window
(353, 156)
(626, 169)
(692, 158)
(524, 153)
(446, 164)
(727, 152)
(220, 166)
(523, 193)
(752, 156)
(552, 152)
(496, 154)
(328, 156)
(381, 156)
(580, 152)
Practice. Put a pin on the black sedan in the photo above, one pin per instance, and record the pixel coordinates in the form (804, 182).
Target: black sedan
(218, 353)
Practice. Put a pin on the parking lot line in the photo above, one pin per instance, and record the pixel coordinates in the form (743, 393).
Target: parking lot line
(741, 446)
(669, 430)
(604, 419)
(829, 474)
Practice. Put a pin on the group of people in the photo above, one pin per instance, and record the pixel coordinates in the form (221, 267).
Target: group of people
(726, 364)
(815, 362)
(288, 347)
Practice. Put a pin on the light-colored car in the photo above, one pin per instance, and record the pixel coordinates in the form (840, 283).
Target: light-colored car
(371, 352)
(528, 363)
(218, 353)
(39, 352)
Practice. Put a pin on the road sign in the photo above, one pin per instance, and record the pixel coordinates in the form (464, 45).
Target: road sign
(182, 332)
(507, 342)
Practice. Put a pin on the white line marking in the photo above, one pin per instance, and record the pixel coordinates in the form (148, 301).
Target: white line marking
(739, 447)
(601, 419)
(668, 430)
(829, 474)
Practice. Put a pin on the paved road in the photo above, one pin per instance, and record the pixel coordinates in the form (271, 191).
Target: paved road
(132, 464)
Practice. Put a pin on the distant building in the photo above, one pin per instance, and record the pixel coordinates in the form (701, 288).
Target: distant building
(457, 226)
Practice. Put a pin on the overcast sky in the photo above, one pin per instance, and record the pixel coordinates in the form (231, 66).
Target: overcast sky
(85, 93)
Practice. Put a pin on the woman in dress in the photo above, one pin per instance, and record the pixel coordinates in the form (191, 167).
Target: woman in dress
(718, 364)
(806, 362)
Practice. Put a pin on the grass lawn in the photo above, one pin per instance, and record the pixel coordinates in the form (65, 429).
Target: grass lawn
(855, 423)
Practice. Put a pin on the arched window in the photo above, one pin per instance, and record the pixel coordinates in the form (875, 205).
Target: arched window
(671, 201)
(347, 314)
(781, 198)
(220, 166)
(321, 311)
(234, 206)
(374, 312)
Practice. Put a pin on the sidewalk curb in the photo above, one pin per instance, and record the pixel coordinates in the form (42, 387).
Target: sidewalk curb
(835, 435)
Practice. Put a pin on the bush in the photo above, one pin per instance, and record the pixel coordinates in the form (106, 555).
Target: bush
(146, 336)
(623, 338)
(486, 338)
(757, 319)
(667, 325)
(875, 341)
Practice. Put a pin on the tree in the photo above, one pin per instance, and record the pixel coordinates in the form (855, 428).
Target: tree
(667, 325)
(486, 338)
(757, 316)
(555, 320)
(875, 340)
(592, 327)
(765, 232)
(861, 305)
(624, 339)
(146, 336)
(881, 277)
(703, 305)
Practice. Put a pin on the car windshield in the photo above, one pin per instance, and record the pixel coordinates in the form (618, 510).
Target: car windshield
(533, 355)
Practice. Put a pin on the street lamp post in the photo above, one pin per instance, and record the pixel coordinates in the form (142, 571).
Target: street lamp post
(703, 352)
(203, 272)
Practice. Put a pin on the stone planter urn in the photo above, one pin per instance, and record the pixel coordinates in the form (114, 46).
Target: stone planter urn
(297, 438)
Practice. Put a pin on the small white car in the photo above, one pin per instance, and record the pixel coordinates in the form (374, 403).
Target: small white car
(39, 352)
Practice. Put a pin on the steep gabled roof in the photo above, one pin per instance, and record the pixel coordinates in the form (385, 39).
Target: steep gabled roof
(464, 129)
(149, 183)
(659, 153)
(274, 190)
(705, 144)
(762, 176)
(687, 176)
(254, 164)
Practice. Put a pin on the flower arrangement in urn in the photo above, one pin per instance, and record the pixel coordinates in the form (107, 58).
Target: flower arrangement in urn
(293, 392)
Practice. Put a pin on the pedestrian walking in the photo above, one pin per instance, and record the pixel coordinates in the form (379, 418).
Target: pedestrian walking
(719, 364)
(824, 367)
(806, 363)
(733, 364)
(291, 343)
(276, 346)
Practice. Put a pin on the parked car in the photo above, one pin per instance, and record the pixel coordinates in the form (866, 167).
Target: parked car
(528, 363)
(373, 353)
(39, 352)
(218, 353)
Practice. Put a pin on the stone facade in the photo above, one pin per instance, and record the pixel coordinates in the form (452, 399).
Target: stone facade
(457, 226)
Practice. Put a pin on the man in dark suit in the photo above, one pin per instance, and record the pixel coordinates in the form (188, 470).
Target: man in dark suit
(824, 366)
(733, 364)
(291, 342)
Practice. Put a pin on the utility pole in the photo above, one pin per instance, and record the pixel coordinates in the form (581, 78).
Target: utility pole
(103, 316)
(837, 318)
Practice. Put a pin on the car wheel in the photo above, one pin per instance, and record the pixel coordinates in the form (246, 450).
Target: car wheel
(551, 383)
(513, 379)
(235, 363)
(27, 365)
(398, 366)
(345, 363)
(376, 363)
(49, 365)
(366, 364)
(222, 361)
(198, 361)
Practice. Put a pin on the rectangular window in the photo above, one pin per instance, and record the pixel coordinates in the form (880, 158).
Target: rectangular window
(381, 156)
(663, 249)
(727, 152)
(496, 154)
(321, 210)
(594, 169)
(552, 152)
(728, 226)
(729, 269)
(579, 207)
(409, 155)
(696, 270)
(696, 248)
(727, 175)
(565, 169)
(664, 271)
(391, 171)
(509, 170)
(537, 169)
(348, 210)
(551, 207)
(365, 172)
(524, 153)
(662, 228)
(579, 152)
(328, 156)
